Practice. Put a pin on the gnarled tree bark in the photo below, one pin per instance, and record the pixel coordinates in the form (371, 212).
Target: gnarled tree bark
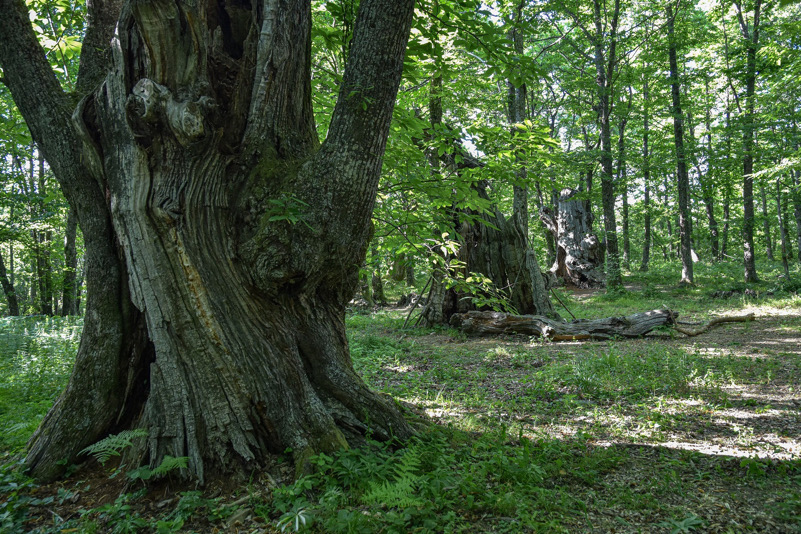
(202, 139)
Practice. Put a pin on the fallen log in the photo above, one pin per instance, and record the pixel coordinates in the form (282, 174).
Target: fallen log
(718, 320)
(482, 323)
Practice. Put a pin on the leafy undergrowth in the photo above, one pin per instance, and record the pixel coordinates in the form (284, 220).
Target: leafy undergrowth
(663, 434)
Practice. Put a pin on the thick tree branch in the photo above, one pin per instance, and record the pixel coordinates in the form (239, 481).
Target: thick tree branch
(101, 17)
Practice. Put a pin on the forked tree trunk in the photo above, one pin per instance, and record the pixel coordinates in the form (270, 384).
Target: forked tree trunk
(242, 235)
(579, 255)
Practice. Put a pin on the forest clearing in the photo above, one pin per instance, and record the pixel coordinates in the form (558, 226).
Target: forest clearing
(660, 434)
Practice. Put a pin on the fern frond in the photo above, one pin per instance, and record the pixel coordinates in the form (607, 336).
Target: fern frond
(397, 494)
(113, 444)
(401, 492)
(168, 464)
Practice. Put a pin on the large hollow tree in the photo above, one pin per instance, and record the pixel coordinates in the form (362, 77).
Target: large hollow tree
(223, 239)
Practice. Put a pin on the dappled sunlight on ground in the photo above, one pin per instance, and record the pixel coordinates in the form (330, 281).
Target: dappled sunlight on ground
(700, 418)
(733, 408)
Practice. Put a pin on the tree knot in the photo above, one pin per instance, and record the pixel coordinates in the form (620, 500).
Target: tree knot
(151, 104)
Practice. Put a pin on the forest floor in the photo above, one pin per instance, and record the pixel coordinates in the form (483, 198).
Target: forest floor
(660, 434)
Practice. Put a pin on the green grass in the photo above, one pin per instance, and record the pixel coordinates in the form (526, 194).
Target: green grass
(36, 357)
(529, 436)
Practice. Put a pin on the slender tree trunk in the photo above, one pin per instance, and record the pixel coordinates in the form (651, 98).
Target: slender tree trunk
(668, 218)
(45, 240)
(782, 229)
(622, 180)
(766, 223)
(727, 188)
(518, 112)
(46, 280)
(11, 273)
(724, 240)
(78, 289)
(604, 68)
(552, 202)
(646, 175)
(376, 284)
(410, 273)
(797, 208)
(8, 289)
(33, 294)
(683, 180)
(69, 290)
(366, 287)
(709, 196)
(705, 179)
(751, 35)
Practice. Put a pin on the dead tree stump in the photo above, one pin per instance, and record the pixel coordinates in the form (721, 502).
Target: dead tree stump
(579, 254)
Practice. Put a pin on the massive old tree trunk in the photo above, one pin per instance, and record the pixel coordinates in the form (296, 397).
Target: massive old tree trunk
(489, 244)
(579, 258)
(241, 234)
